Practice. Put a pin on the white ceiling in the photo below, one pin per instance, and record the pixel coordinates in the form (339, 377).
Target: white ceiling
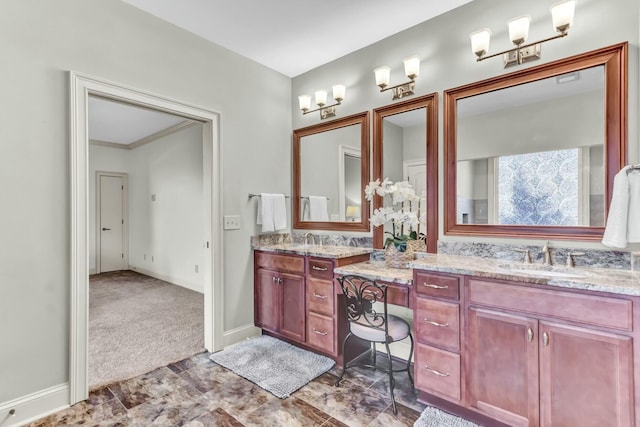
(289, 36)
(118, 123)
(295, 36)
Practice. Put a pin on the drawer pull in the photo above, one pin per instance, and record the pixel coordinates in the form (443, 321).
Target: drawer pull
(315, 331)
(315, 267)
(429, 285)
(433, 371)
(441, 325)
(545, 338)
(320, 296)
(529, 334)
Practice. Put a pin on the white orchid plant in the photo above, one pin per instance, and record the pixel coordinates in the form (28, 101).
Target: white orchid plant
(401, 219)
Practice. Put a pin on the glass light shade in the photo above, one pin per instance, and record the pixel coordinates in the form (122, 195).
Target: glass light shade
(382, 76)
(321, 97)
(353, 211)
(305, 102)
(412, 66)
(562, 15)
(519, 29)
(480, 41)
(338, 92)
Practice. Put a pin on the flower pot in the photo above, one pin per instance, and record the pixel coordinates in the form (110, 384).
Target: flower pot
(393, 258)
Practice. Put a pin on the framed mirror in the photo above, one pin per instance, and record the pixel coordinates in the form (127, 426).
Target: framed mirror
(330, 170)
(405, 148)
(533, 153)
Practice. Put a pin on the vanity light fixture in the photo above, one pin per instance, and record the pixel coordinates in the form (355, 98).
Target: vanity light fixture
(411, 69)
(326, 111)
(562, 16)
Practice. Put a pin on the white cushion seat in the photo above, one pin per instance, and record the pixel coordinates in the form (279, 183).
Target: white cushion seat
(398, 330)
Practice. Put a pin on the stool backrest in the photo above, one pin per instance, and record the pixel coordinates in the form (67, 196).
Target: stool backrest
(360, 295)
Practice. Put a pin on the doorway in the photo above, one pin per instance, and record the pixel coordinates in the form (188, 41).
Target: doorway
(81, 87)
(111, 222)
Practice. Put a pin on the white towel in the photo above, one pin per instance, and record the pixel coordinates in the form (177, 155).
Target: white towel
(272, 212)
(623, 221)
(318, 208)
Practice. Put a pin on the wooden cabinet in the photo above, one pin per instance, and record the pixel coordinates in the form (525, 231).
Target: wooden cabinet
(279, 292)
(529, 367)
(436, 323)
(321, 326)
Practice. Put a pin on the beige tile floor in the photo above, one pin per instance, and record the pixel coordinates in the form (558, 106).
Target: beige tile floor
(198, 392)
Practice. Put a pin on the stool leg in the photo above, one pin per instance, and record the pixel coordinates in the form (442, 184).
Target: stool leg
(373, 354)
(344, 360)
(392, 383)
(409, 362)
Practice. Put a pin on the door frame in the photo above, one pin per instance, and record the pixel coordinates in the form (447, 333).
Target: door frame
(125, 214)
(80, 87)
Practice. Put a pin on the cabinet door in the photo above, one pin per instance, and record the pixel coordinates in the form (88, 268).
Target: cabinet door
(585, 377)
(293, 307)
(267, 300)
(503, 374)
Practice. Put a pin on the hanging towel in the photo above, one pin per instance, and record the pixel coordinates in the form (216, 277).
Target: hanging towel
(272, 212)
(279, 212)
(318, 208)
(623, 221)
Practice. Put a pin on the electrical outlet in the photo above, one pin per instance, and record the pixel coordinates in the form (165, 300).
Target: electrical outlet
(232, 222)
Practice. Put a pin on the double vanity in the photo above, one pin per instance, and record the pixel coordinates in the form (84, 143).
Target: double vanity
(523, 344)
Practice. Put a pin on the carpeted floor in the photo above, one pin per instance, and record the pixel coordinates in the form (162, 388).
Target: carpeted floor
(138, 323)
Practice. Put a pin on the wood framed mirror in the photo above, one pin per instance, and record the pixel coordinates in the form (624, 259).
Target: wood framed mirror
(330, 170)
(533, 153)
(405, 147)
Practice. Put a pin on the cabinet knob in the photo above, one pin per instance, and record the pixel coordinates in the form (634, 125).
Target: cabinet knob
(529, 334)
(441, 325)
(429, 285)
(545, 338)
(436, 372)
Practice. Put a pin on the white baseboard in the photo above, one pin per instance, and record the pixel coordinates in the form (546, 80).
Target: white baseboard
(400, 349)
(198, 287)
(34, 406)
(241, 333)
(93, 271)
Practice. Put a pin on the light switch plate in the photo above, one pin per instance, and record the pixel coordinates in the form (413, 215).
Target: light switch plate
(232, 222)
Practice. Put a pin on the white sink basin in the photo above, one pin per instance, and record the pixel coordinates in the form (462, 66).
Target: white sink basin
(547, 273)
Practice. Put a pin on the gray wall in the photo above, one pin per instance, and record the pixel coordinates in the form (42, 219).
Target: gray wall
(447, 61)
(40, 42)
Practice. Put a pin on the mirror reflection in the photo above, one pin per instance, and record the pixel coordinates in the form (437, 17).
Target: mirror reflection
(330, 175)
(330, 169)
(533, 154)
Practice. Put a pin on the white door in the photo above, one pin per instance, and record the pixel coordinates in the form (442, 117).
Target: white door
(111, 225)
(416, 173)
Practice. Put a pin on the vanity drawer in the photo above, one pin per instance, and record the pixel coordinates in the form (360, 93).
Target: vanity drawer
(321, 268)
(287, 263)
(438, 323)
(437, 285)
(396, 294)
(320, 296)
(589, 309)
(437, 371)
(320, 332)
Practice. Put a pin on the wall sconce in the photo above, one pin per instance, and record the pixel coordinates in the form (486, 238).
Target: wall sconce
(562, 16)
(321, 100)
(411, 69)
(353, 212)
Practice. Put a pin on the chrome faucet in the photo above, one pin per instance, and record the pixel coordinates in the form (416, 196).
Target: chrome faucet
(546, 250)
(526, 255)
(306, 239)
(570, 256)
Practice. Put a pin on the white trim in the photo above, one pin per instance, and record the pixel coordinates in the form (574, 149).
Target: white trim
(98, 219)
(584, 186)
(160, 134)
(241, 333)
(407, 163)
(173, 280)
(81, 86)
(34, 406)
(343, 151)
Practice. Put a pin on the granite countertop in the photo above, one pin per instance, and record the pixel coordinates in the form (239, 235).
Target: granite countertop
(378, 270)
(321, 251)
(616, 281)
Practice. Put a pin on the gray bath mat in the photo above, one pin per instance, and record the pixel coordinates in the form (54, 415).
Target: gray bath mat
(432, 417)
(276, 366)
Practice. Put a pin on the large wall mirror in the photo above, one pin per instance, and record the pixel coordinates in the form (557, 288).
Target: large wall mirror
(534, 153)
(405, 148)
(330, 170)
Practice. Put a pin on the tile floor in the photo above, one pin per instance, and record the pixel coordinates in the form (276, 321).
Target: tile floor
(197, 392)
